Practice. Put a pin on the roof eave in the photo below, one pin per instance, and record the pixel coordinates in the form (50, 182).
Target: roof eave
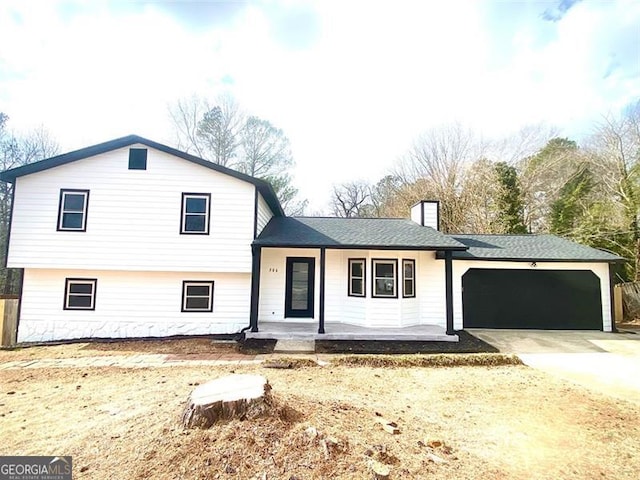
(264, 187)
(538, 259)
(258, 243)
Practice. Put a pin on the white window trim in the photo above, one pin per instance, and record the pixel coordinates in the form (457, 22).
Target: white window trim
(197, 283)
(62, 211)
(374, 278)
(363, 262)
(411, 262)
(184, 214)
(83, 281)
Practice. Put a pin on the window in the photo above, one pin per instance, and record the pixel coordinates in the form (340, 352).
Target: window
(137, 159)
(357, 274)
(72, 211)
(80, 294)
(197, 296)
(384, 278)
(195, 213)
(408, 278)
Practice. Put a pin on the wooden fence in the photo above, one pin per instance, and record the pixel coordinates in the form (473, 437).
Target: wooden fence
(627, 301)
(8, 320)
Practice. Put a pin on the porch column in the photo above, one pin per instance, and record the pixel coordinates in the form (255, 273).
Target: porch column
(255, 287)
(321, 307)
(448, 278)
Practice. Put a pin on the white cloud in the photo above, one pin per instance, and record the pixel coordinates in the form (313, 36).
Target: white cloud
(351, 89)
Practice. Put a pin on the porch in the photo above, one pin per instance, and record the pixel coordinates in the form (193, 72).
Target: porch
(344, 331)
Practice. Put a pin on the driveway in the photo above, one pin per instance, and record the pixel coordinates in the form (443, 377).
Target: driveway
(608, 363)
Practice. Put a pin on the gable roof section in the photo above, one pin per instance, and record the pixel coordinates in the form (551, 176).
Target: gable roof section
(530, 248)
(263, 187)
(374, 233)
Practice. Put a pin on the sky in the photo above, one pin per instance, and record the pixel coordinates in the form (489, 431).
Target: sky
(352, 83)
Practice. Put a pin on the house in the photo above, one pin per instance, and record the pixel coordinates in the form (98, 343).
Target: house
(131, 238)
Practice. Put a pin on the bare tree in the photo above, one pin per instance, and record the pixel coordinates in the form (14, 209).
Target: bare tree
(266, 150)
(481, 191)
(223, 134)
(351, 200)
(219, 130)
(434, 168)
(521, 144)
(210, 131)
(614, 156)
(186, 115)
(542, 176)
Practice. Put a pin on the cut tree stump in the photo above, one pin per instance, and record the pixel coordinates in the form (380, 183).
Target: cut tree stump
(233, 396)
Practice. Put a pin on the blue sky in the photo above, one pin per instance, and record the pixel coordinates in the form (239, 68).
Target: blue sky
(351, 82)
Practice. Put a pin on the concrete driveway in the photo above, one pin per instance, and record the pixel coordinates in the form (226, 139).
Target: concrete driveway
(608, 363)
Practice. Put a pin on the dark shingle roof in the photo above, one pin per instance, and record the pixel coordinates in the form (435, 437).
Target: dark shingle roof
(528, 248)
(263, 187)
(379, 233)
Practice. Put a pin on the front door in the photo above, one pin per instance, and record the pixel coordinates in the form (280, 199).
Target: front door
(299, 293)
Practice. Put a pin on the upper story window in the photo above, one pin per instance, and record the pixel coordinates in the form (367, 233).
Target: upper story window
(357, 275)
(80, 294)
(408, 278)
(72, 211)
(385, 277)
(137, 159)
(195, 213)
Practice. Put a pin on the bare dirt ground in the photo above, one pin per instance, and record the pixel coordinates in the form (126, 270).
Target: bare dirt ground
(456, 423)
(132, 347)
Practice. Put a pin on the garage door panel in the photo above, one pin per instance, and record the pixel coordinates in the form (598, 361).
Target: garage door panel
(538, 299)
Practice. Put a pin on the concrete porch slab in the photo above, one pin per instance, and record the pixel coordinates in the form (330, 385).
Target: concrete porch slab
(343, 331)
(295, 346)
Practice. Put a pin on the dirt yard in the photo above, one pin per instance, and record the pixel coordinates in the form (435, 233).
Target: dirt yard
(455, 423)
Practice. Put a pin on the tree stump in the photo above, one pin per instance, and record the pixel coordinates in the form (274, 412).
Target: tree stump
(233, 396)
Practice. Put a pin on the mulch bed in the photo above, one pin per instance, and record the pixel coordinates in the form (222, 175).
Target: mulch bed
(467, 344)
(256, 346)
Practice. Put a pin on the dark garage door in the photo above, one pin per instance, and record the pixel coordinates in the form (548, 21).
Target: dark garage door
(543, 299)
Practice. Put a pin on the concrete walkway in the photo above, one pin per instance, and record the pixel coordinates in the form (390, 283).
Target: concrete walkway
(608, 363)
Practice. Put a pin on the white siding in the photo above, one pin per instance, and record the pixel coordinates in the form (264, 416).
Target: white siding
(431, 215)
(599, 269)
(133, 217)
(416, 213)
(130, 304)
(425, 213)
(427, 308)
(264, 214)
(273, 274)
(430, 286)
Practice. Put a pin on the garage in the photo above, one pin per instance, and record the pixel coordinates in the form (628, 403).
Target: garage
(531, 299)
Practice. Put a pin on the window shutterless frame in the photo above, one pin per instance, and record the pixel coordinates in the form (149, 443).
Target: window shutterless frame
(73, 207)
(195, 214)
(384, 281)
(357, 277)
(137, 159)
(408, 278)
(80, 293)
(197, 296)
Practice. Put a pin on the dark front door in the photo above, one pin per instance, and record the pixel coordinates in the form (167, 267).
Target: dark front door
(299, 293)
(542, 299)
